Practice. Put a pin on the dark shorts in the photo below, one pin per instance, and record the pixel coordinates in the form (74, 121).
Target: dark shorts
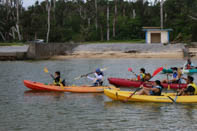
(190, 90)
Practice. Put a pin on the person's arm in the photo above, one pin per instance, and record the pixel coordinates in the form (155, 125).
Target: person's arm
(90, 78)
(192, 65)
(98, 76)
(184, 78)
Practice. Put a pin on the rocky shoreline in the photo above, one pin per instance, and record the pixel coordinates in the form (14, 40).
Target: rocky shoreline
(125, 51)
(60, 51)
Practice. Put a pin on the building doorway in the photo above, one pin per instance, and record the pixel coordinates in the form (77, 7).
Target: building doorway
(155, 37)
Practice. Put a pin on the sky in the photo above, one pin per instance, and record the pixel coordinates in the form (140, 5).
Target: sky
(27, 3)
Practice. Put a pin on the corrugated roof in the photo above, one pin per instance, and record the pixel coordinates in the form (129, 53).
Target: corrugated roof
(157, 29)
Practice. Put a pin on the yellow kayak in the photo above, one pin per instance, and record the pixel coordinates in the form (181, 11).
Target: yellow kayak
(164, 98)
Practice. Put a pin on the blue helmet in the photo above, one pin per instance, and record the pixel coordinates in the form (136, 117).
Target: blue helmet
(98, 70)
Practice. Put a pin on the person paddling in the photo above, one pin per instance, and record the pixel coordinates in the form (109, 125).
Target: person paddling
(188, 64)
(141, 76)
(191, 87)
(155, 90)
(175, 77)
(57, 79)
(98, 79)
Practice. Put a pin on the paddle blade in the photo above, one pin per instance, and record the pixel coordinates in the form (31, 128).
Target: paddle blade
(157, 71)
(103, 69)
(130, 69)
(46, 70)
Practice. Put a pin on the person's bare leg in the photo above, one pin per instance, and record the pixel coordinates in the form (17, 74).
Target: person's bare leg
(144, 91)
(140, 92)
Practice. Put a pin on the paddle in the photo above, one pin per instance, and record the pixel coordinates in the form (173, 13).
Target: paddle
(167, 78)
(76, 78)
(168, 82)
(47, 71)
(154, 74)
(179, 77)
(131, 70)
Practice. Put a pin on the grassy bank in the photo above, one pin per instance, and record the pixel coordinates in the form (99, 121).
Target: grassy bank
(12, 44)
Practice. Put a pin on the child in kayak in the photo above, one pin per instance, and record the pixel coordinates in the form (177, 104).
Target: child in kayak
(141, 76)
(57, 79)
(175, 77)
(155, 90)
(191, 87)
(98, 79)
(188, 64)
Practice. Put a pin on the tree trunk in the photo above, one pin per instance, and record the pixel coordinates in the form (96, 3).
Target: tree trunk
(161, 13)
(47, 5)
(134, 14)
(49, 13)
(17, 20)
(2, 36)
(107, 20)
(123, 11)
(192, 17)
(89, 22)
(13, 32)
(101, 33)
(114, 22)
(96, 18)
(54, 4)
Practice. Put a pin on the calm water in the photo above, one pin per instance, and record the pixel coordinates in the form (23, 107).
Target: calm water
(24, 110)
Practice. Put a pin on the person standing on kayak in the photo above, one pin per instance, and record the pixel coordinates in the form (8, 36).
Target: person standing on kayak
(155, 90)
(141, 76)
(57, 79)
(98, 79)
(191, 87)
(188, 64)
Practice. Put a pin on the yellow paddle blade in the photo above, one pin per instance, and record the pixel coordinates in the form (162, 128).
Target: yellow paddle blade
(46, 70)
(168, 86)
(61, 85)
(179, 73)
(76, 78)
(103, 69)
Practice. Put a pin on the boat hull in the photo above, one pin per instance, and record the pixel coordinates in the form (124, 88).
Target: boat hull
(165, 98)
(185, 71)
(77, 89)
(120, 82)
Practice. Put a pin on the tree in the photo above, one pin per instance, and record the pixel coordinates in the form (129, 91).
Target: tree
(48, 7)
(114, 21)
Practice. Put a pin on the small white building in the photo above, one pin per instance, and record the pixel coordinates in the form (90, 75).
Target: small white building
(157, 35)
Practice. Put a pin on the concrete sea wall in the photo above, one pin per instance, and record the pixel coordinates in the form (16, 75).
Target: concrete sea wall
(45, 51)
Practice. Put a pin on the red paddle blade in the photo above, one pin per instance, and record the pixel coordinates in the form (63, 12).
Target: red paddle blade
(130, 69)
(138, 77)
(157, 71)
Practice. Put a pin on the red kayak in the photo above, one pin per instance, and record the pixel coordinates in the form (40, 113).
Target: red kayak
(120, 82)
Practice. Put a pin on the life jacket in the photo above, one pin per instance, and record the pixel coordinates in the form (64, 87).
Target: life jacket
(194, 86)
(57, 81)
(188, 66)
(141, 77)
(157, 93)
(99, 82)
(174, 75)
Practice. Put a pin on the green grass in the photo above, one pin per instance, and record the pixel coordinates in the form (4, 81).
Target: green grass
(12, 44)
